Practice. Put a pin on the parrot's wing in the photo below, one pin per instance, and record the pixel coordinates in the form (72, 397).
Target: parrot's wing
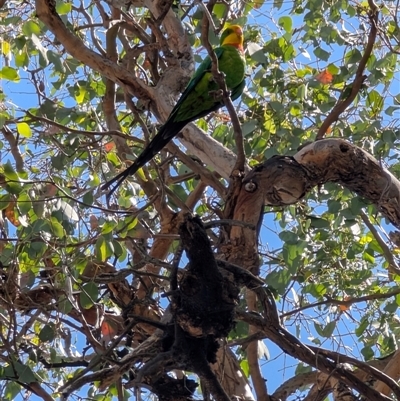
(204, 68)
(238, 90)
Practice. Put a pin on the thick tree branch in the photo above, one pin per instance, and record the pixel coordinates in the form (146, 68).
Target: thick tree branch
(285, 180)
(46, 12)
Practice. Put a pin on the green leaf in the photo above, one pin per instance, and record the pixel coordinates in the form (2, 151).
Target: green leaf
(334, 206)
(89, 295)
(56, 59)
(9, 74)
(24, 130)
(319, 329)
(391, 307)
(67, 211)
(11, 391)
(63, 8)
(88, 198)
(47, 333)
(80, 93)
(329, 328)
(30, 28)
(317, 290)
(108, 226)
(326, 331)
(368, 256)
(244, 365)
(104, 248)
(256, 52)
(9, 171)
(333, 69)
(321, 54)
(362, 327)
(59, 161)
(286, 23)
(220, 10)
(278, 280)
(119, 251)
(302, 368)
(248, 127)
(289, 237)
(64, 305)
(367, 353)
(277, 106)
(21, 59)
(391, 109)
(353, 57)
(24, 203)
(317, 222)
(179, 191)
(56, 228)
(19, 372)
(4, 201)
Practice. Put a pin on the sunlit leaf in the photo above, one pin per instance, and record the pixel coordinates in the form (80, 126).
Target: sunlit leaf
(31, 27)
(5, 48)
(24, 130)
(63, 8)
(9, 74)
(286, 23)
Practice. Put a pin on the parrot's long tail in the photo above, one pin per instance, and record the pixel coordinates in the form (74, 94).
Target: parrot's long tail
(167, 132)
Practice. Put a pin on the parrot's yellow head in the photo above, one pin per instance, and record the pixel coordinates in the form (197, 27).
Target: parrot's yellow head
(233, 36)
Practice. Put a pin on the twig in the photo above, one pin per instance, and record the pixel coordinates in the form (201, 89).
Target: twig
(206, 175)
(9, 137)
(77, 131)
(393, 267)
(346, 302)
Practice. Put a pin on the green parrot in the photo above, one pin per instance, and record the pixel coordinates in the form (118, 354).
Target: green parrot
(197, 100)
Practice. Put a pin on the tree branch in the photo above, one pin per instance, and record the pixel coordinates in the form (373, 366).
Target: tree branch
(359, 79)
(9, 137)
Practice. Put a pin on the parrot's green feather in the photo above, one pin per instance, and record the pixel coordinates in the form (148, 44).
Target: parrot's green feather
(198, 99)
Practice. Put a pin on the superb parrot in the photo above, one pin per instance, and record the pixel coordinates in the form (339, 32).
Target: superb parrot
(198, 99)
